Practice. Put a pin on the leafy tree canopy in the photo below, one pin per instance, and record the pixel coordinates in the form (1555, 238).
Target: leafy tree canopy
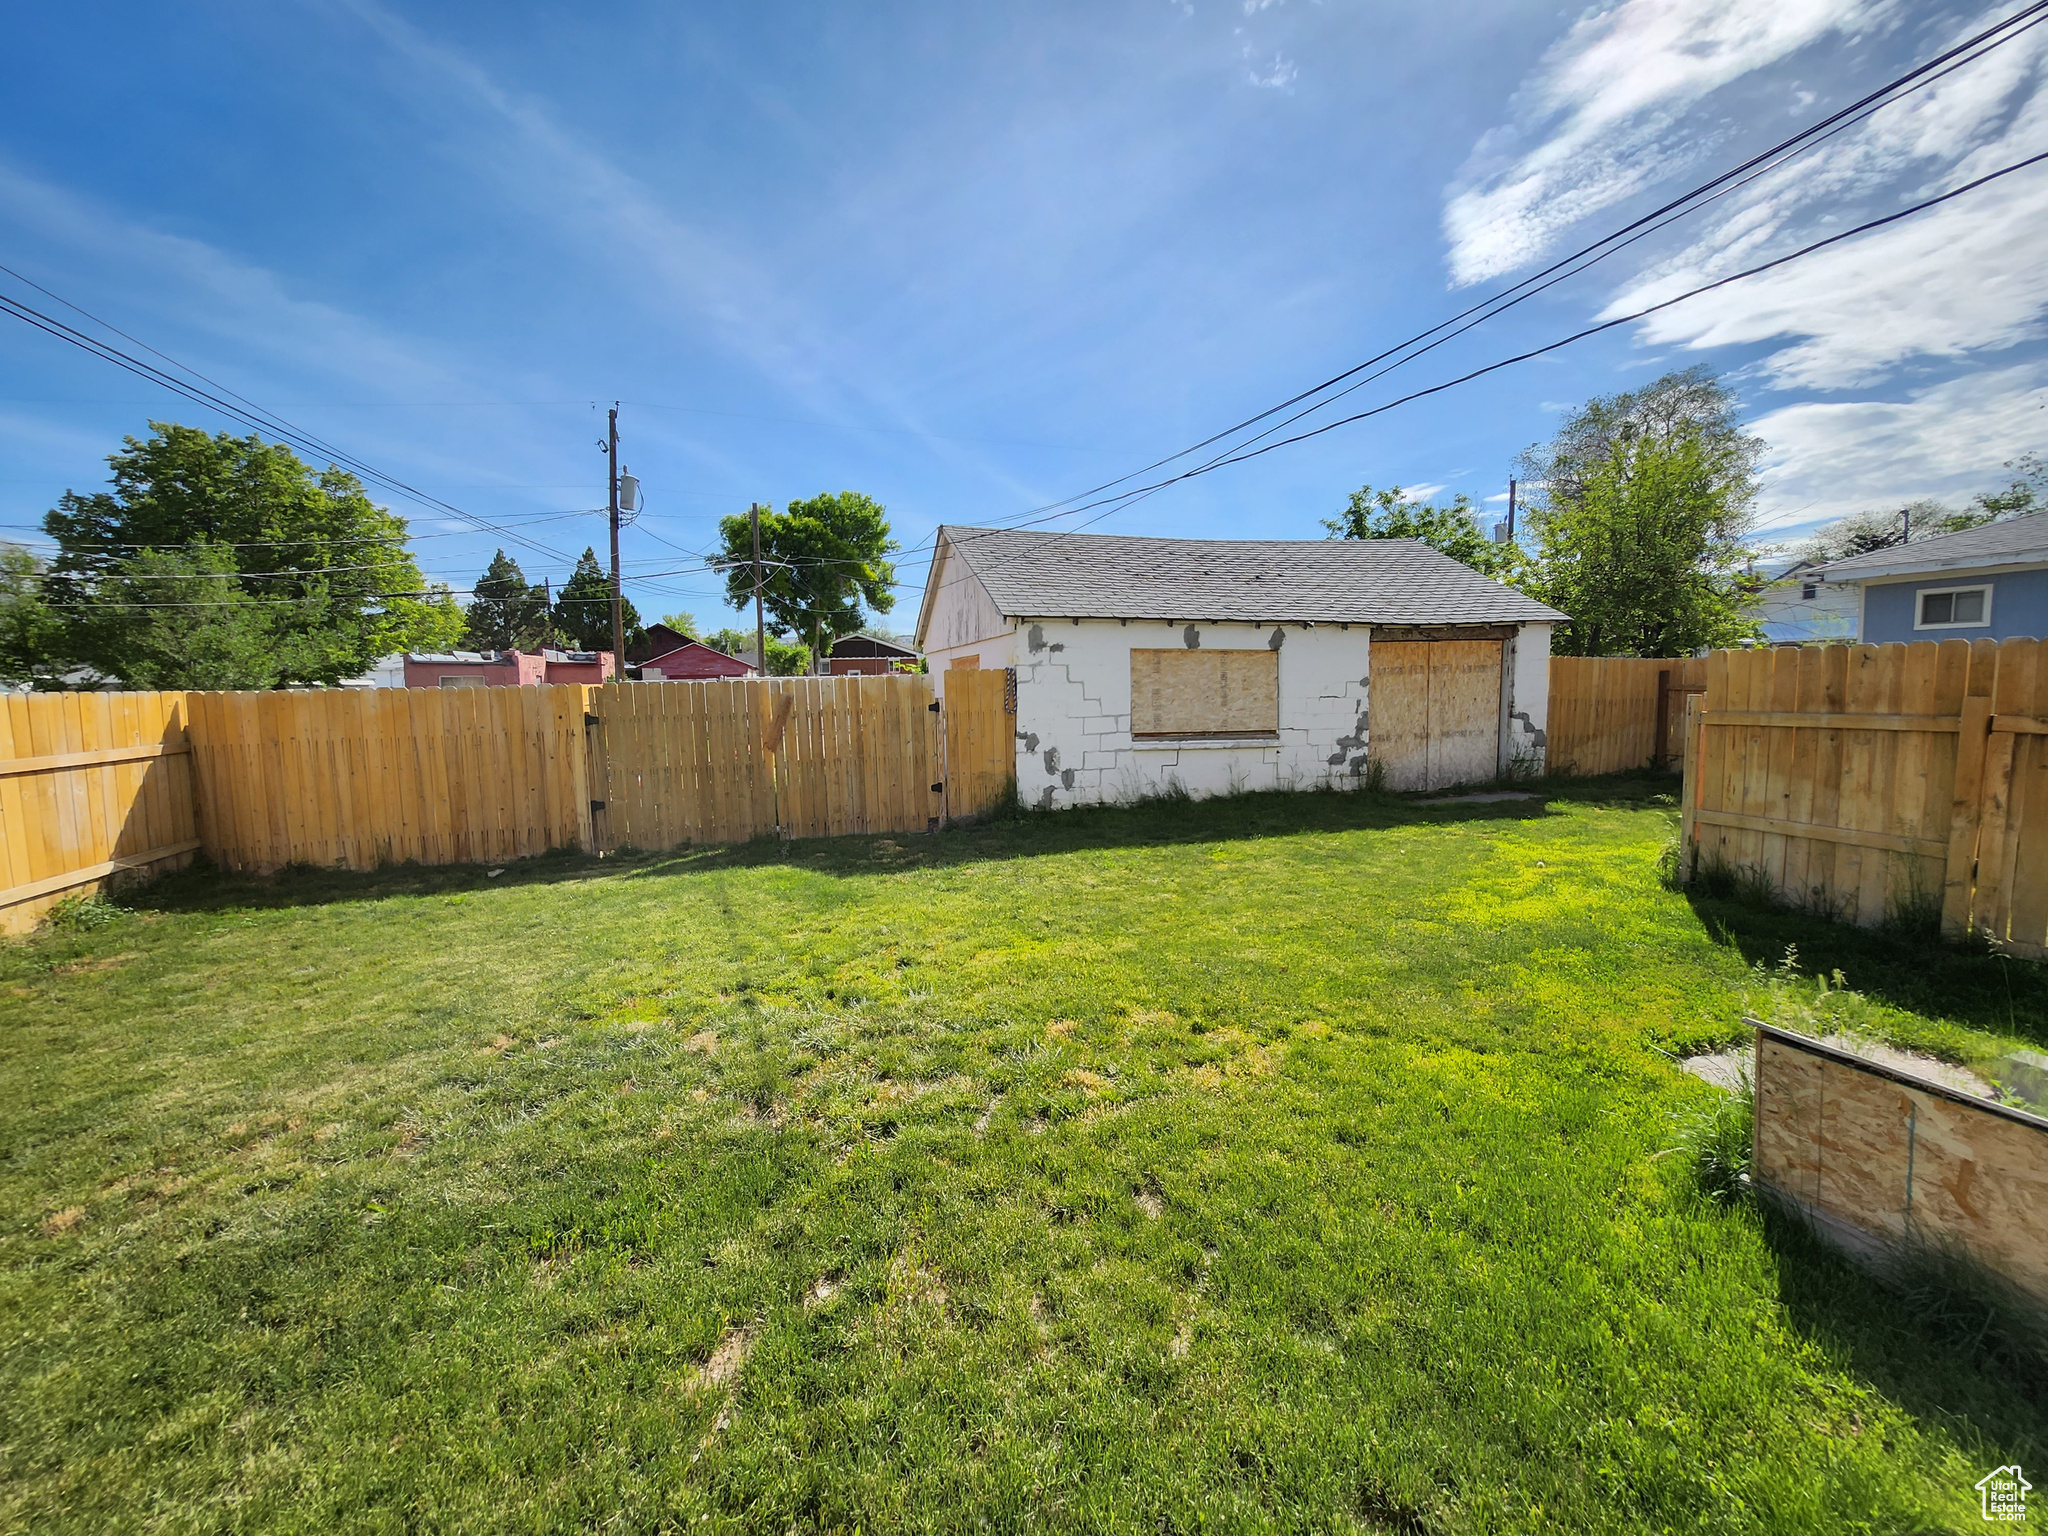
(583, 612)
(682, 624)
(1391, 514)
(29, 631)
(786, 658)
(1645, 555)
(223, 562)
(1693, 404)
(1862, 532)
(831, 556)
(505, 613)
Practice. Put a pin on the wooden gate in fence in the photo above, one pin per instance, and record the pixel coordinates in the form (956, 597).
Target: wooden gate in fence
(1880, 781)
(99, 785)
(722, 761)
(980, 717)
(1609, 714)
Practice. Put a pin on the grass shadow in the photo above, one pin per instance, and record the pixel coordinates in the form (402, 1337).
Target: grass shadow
(1030, 834)
(1879, 1335)
(1903, 964)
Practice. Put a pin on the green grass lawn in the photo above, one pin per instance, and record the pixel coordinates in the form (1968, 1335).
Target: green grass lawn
(1287, 1162)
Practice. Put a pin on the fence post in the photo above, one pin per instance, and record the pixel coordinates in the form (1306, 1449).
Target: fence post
(1689, 786)
(593, 817)
(1966, 817)
(1660, 751)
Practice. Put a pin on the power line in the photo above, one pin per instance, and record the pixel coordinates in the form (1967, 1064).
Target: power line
(1918, 77)
(245, 412)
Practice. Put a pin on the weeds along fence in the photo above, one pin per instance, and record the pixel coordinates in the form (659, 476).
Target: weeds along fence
(1878, 783)
(1609, 714)
(97, 786)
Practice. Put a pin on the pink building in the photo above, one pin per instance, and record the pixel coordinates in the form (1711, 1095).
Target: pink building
(505, 669)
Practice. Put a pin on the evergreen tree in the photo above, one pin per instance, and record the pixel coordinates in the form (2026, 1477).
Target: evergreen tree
(583, 613)
(505, 614)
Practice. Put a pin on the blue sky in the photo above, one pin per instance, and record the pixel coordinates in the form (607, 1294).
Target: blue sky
(972, 259)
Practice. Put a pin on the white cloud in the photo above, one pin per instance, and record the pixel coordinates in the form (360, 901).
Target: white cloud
(1959, 279)
(1602, 118)
(1828, 458)
(1422, 492)
(1277, 76)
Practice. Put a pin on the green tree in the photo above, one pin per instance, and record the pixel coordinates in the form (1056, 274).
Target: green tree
(30, 636)
(786, 658)
(682, 623)
(1646, 555)
(1390, 514)
(1692, 404)
(830, 556)
(303, 558)
(1862, 532)
(505, 613)
(583, 612)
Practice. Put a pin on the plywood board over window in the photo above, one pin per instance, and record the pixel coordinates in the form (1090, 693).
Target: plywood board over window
(1205, 693)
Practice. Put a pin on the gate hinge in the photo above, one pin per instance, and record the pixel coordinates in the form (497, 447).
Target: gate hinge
(933, 706)
(939, 788)
(590, 719)
(597, 805)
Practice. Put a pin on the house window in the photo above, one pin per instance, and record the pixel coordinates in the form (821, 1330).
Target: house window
(1954, 608)
(1809, 590)
(1226, 694)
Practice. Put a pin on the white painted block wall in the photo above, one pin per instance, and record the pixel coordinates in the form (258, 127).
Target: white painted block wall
(1074, 743)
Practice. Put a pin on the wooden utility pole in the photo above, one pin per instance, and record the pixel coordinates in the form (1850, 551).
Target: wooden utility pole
(760, 628)
(618, 603)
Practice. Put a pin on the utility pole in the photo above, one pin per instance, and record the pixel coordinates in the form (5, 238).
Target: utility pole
(1511, 510)
(760, 628)
(547, 587)
(618, 608)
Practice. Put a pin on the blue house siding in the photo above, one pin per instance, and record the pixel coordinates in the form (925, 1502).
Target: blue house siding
(2019, 607)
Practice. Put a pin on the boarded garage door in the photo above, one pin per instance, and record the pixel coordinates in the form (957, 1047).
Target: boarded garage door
(1435, 711)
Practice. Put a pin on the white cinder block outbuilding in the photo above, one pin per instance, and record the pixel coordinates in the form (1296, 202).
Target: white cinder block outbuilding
(1216, 664)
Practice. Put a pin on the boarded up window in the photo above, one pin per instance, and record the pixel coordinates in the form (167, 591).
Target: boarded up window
(1205, 693)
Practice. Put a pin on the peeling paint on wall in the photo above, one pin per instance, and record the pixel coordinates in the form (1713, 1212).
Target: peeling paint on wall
(1279, 639)
(1067, 779)
(1030, 740)
(1537, 737)
(1052, 759)
(1193, 638)
(1036, 638)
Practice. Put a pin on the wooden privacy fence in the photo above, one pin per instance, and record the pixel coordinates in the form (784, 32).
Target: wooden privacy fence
(1880, 781)
(92, 785)
(96, 785)
(730, 759)
(358, 778)
(1612, 713)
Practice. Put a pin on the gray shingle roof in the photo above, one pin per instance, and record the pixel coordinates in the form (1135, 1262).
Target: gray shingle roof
(2017, 541)
(1036, 574)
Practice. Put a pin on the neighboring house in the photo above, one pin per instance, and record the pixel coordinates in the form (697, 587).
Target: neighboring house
(1988, 583)
(1797, 607)
(500, 669)
(868, 655)
(1212, 664)
(389, 672)
(673, 657)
